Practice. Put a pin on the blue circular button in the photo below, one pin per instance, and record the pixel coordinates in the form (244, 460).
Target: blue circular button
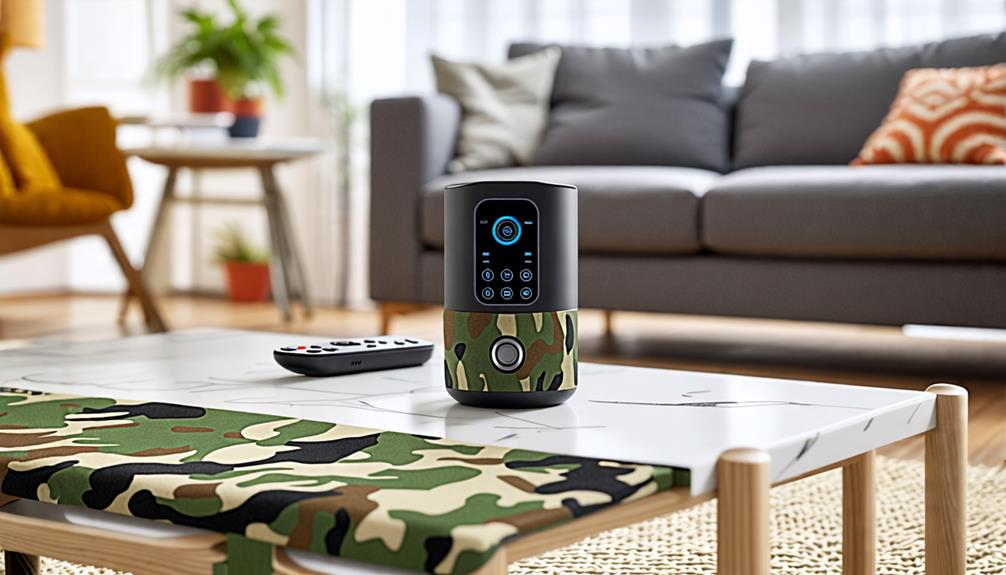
(487, 293)
(526, 275)
(506, 293)
(506, 230)
(506, 275)
(487, 275)
(526, 293)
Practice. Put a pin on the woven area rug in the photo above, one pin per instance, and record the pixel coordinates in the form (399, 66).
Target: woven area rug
(806, 532)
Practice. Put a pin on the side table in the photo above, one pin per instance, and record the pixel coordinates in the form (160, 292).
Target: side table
(289, 280)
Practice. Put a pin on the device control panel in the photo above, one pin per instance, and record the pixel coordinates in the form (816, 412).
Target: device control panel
(506, 252)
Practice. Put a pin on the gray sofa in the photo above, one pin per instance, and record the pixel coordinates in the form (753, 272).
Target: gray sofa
(791, 231)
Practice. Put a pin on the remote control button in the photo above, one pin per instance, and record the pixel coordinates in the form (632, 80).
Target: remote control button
(343, 342)
(371, 345)
(506, 275)
(330, 348)
(288, 348)
(507, 354)
(368, 341)
(315, 347)
(301, 347)
(399, 342)
(487, 275)
(506, 230)
(314, 351)
(487, 293)
(506, 293)
(412, 340)
(526, 293)
(526, 275)
(382, 342)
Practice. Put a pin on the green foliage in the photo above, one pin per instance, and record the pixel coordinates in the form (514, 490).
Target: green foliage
(233, 245)
(243, 54)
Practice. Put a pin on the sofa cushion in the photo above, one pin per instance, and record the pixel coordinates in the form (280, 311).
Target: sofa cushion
(637, 106)
(505, 107)
(623, 209)
(885, 212)
(821, 108)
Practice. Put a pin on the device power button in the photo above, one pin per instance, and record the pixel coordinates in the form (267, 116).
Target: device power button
(507, 354)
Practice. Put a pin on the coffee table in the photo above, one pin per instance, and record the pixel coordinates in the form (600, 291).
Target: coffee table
(734, 436)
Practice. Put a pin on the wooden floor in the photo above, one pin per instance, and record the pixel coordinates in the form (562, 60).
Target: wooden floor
(859, 355)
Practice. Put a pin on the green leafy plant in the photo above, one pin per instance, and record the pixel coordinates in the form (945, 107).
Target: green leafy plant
(233, 245)
(244, 54)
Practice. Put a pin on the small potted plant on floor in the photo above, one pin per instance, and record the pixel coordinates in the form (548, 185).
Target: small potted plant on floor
(240, 59)
(247, 267)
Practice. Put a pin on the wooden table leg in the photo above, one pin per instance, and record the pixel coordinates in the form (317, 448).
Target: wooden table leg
(946, 482)
(137, 284)
(859, 516)
(743, 512)
(156, 232)
(293, 260)
(277, 267)
(21, 564)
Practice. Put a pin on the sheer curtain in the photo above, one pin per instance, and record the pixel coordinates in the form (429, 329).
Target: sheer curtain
(367, 49)
(390, 39)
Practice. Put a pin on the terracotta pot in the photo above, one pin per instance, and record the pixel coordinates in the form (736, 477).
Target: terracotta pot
(206, 96)
(247, 117)
(247, 282)
(246, 107)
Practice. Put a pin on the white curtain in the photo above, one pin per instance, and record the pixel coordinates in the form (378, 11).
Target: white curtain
(390, 39)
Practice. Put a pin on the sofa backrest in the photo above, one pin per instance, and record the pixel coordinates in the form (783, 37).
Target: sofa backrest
(820, 108)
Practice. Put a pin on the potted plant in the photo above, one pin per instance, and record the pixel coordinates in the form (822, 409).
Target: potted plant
(247, 267)
(241, 58)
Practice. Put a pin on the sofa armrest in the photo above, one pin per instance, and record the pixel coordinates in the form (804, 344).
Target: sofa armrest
(81, 145)
(411, 141)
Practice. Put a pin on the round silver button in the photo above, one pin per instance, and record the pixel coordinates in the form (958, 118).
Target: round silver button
(507, 354)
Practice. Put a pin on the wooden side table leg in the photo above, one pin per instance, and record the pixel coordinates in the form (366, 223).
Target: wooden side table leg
(946, 482)
(743, 512)
(277, 268)
(137, 284)
(156, 231)
(294, 261)
(859, 516)
(21, 564)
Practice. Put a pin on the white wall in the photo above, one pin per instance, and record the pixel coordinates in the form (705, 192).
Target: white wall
(35, 83)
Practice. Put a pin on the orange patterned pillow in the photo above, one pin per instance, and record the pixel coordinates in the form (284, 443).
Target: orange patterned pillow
(943, 116)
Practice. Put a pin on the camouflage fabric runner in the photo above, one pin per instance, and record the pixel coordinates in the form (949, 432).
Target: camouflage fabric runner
(551, 356)
(418, 503)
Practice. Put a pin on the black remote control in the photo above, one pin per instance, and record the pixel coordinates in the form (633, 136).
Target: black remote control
(345, 356)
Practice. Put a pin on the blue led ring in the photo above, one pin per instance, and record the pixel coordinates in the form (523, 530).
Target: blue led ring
(496, 226)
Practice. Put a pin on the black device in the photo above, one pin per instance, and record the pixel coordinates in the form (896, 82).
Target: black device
(344, 356)
(510, 293)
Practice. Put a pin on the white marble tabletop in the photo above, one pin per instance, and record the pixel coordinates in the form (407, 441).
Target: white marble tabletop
(675, 418)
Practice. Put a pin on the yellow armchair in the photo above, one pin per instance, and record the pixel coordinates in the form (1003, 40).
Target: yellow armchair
(93, 184)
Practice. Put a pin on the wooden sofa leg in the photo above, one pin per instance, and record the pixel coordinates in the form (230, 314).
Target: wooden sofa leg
(21, 564)
(389, 309)
(743, 512)
(135, 280)
(946, 482)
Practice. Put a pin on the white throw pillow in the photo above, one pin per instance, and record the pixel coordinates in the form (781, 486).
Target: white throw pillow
(504, 107)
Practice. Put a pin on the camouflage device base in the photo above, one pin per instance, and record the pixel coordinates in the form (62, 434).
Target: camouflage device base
(407, 501)
(550, 352)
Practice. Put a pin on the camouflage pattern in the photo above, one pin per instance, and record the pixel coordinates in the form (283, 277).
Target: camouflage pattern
(549, 359)
(408, 501)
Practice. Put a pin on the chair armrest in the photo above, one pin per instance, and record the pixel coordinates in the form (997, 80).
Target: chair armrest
(81, 145)
(411, 141)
